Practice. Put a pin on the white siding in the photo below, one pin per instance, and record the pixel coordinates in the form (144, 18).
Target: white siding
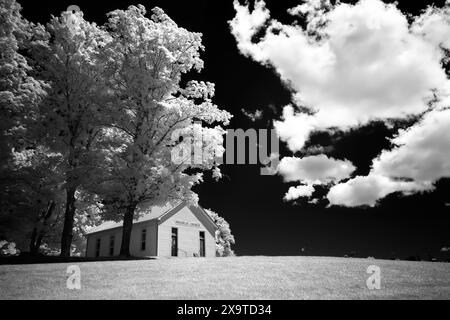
(189, 227)
(135, 241)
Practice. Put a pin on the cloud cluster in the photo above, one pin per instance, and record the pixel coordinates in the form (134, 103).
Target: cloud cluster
(369, 65)
(353, 64)
(310, 171)
(421, 157)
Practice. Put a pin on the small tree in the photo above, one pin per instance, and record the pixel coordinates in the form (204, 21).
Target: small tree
(224, 238)
(144, 63)
(38, 193)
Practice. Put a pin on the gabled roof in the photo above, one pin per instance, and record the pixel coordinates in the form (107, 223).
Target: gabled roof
(156, 213)
(153, 214)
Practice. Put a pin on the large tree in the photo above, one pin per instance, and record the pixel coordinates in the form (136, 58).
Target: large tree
(152, 113)
(73, 113)
(21, 92)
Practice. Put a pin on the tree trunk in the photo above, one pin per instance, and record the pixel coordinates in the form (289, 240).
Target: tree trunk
(67, 234)
(37, 235)
(126, 230)
(37, 243)
(33, 249)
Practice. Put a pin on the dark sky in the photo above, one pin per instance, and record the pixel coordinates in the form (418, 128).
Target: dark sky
(262, 223)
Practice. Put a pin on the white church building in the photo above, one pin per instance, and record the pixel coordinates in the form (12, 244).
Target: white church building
(179, 231)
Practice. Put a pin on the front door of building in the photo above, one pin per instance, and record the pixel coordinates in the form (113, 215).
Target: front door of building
(174, 242)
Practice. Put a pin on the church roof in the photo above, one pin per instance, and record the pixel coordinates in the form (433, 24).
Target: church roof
(156, 213)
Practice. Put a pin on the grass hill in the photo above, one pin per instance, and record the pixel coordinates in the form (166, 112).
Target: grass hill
(256, 277)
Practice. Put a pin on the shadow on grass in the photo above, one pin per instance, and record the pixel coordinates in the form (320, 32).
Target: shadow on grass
(34, 259)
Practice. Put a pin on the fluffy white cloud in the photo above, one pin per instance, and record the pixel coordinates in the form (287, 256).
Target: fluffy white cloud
(295, 128)
(367, 190)
(246, 24)
(369, 63)
(314, 169)
(299, 191)
(423, 152)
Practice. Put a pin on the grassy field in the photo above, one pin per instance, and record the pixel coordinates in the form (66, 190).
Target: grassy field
(229, 278)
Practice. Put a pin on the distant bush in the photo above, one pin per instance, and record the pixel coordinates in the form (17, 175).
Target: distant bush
(53, 251)
(8, 249)
(413, 258)
(49, 251)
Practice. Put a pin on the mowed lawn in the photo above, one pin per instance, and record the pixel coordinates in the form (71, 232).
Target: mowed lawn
(229, 278)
